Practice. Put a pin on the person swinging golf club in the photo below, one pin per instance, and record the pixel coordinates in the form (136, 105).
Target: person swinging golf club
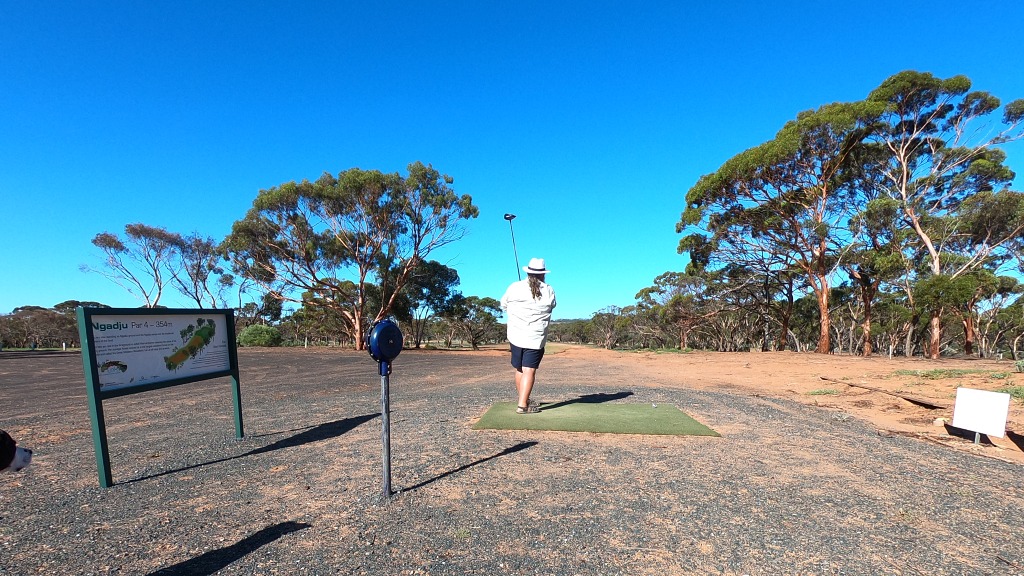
(529, 304)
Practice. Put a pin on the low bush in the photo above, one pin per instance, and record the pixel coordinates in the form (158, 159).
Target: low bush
(260, 335)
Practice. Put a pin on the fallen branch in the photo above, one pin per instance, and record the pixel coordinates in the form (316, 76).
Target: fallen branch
(1014, 564)
(930, 404)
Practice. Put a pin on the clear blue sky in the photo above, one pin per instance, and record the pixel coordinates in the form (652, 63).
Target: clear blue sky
(589, 120)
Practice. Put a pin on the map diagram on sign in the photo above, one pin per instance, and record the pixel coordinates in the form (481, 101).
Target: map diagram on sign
(197, 339)
(113, 365)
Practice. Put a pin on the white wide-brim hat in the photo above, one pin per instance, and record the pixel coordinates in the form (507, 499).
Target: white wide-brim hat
(536, 266)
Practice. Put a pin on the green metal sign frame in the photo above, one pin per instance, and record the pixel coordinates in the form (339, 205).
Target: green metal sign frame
(125, 319)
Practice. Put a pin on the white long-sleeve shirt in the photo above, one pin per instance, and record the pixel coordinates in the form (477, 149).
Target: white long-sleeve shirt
(528, 318)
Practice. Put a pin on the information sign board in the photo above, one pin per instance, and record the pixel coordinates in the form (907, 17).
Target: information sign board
(132, 350)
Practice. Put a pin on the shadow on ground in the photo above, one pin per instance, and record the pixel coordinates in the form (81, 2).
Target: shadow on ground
(309, 435)
(1016, 439)
(511, 450)
(598, 398)
(215, 560)
(967, 434)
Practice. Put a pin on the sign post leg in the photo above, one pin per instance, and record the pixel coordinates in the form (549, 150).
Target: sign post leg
(99, 439)
(236, 398)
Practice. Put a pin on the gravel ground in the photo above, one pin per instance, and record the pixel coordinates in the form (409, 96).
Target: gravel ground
(787, 489)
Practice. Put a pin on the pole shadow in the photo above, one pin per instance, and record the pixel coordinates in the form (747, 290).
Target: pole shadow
(598, 398)
(511, 450)
(324, 431)
(215, 560)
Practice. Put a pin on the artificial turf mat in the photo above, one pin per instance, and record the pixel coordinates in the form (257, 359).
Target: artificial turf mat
(607, 418)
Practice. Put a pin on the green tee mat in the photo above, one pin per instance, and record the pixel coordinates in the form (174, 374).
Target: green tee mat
(663, 419)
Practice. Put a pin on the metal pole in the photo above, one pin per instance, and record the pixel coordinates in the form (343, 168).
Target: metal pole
(510, 218)
(385, 415)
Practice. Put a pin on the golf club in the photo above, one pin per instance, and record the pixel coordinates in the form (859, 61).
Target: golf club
(510, 218)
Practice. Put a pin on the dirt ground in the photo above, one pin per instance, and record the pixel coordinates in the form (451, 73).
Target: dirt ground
(887, 393)
(841, 475)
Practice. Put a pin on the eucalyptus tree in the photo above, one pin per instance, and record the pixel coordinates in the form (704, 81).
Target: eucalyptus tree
(938, 140)
(764, 291)
(893, 323)
(199, 274)
(991, 324)
(787, 197)
(336, 236)
(577, 331)
(477, 318)
(315, 323)
(881, 255)
(431, 290)
(675, 303)
(46, 327)
(143, 262)
(266, 310)
(609, 326)
(1011, 320)
(649, 330)
(69, 307)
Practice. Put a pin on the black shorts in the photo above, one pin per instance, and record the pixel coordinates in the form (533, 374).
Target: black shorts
(525, 357)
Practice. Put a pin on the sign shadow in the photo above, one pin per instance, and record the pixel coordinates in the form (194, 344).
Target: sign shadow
(325, 431)
(1016, 439)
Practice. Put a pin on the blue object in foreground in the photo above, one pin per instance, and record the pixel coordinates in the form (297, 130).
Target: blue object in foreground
(384, 342)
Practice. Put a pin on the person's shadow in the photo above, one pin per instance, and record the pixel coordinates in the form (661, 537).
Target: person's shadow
(598, 398)
(215, 560)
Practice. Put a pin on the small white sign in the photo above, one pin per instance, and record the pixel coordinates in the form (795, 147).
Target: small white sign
(981, 411)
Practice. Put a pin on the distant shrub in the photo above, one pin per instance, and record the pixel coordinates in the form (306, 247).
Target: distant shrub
(260, 335)
(1016, 392)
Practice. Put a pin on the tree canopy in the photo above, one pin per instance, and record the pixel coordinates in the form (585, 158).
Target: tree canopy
(909, 174)
(334, 238)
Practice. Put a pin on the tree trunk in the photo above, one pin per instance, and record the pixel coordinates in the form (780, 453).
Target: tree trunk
(825, 327)
(868, 288)
(787, 313)
(908, 346)
(359, 335)
(935, 335)
(866, 350)
(969, 334)
(869, 295)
